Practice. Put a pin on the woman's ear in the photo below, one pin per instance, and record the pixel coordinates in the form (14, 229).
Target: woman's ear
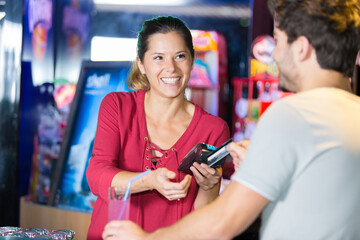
(140, 65)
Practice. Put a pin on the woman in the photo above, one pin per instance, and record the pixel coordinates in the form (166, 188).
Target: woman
(153, 128)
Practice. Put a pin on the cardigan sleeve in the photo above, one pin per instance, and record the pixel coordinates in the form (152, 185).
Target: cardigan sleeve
(104, 163)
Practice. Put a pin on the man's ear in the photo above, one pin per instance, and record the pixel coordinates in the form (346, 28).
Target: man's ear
(140, 65)
(303, 48)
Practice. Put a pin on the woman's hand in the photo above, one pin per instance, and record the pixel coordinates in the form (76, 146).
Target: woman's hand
(160, 180)
(117, 230)
(205, 176)
(238, 151)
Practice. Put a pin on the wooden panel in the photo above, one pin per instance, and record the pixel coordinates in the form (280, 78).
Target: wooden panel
(42, 216)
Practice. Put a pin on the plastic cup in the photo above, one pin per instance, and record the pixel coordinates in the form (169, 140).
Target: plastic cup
(119, 208)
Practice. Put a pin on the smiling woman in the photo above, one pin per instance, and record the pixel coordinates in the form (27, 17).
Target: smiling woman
(153, 128)
(153, 29)
(167, 64)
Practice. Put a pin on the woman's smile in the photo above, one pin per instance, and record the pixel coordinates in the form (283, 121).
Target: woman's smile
(170, 80)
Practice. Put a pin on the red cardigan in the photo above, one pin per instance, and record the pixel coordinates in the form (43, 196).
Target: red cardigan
(121, 144)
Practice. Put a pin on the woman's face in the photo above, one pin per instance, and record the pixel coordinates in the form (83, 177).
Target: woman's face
(167, 64)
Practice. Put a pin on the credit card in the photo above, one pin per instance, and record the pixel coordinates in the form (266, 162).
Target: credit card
(214, 158)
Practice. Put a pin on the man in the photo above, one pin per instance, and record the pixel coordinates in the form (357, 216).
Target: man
(302, 168)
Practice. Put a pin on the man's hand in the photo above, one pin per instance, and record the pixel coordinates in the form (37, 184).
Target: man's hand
(238, 151)
(117, 230)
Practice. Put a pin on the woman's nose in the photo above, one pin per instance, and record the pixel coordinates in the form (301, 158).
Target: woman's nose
(170, 65)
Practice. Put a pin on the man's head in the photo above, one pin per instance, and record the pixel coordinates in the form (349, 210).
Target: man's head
(331, 26)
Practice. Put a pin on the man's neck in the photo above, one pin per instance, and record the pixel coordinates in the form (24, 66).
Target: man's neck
(326, 78)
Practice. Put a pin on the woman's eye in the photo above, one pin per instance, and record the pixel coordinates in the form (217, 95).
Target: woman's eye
(181, 56)
(157, 58)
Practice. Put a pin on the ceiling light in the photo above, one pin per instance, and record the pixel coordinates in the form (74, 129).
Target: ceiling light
(142, 2)
(113, 49)
(2, 15)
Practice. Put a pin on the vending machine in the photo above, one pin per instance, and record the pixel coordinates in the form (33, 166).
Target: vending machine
(207, 85)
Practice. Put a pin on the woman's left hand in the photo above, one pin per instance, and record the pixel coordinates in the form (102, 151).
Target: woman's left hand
(205, 176)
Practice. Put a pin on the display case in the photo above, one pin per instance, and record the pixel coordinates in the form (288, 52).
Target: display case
(253, 95)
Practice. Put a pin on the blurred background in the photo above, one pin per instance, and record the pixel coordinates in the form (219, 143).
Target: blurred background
(58, 59)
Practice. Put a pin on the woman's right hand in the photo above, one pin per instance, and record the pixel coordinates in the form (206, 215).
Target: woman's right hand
(160, 179)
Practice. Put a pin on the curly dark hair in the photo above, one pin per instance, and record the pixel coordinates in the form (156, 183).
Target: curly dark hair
(138, 81)
(332, 27)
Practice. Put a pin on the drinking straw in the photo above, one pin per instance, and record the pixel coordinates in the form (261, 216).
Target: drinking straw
(128, 191)
(132, 180)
